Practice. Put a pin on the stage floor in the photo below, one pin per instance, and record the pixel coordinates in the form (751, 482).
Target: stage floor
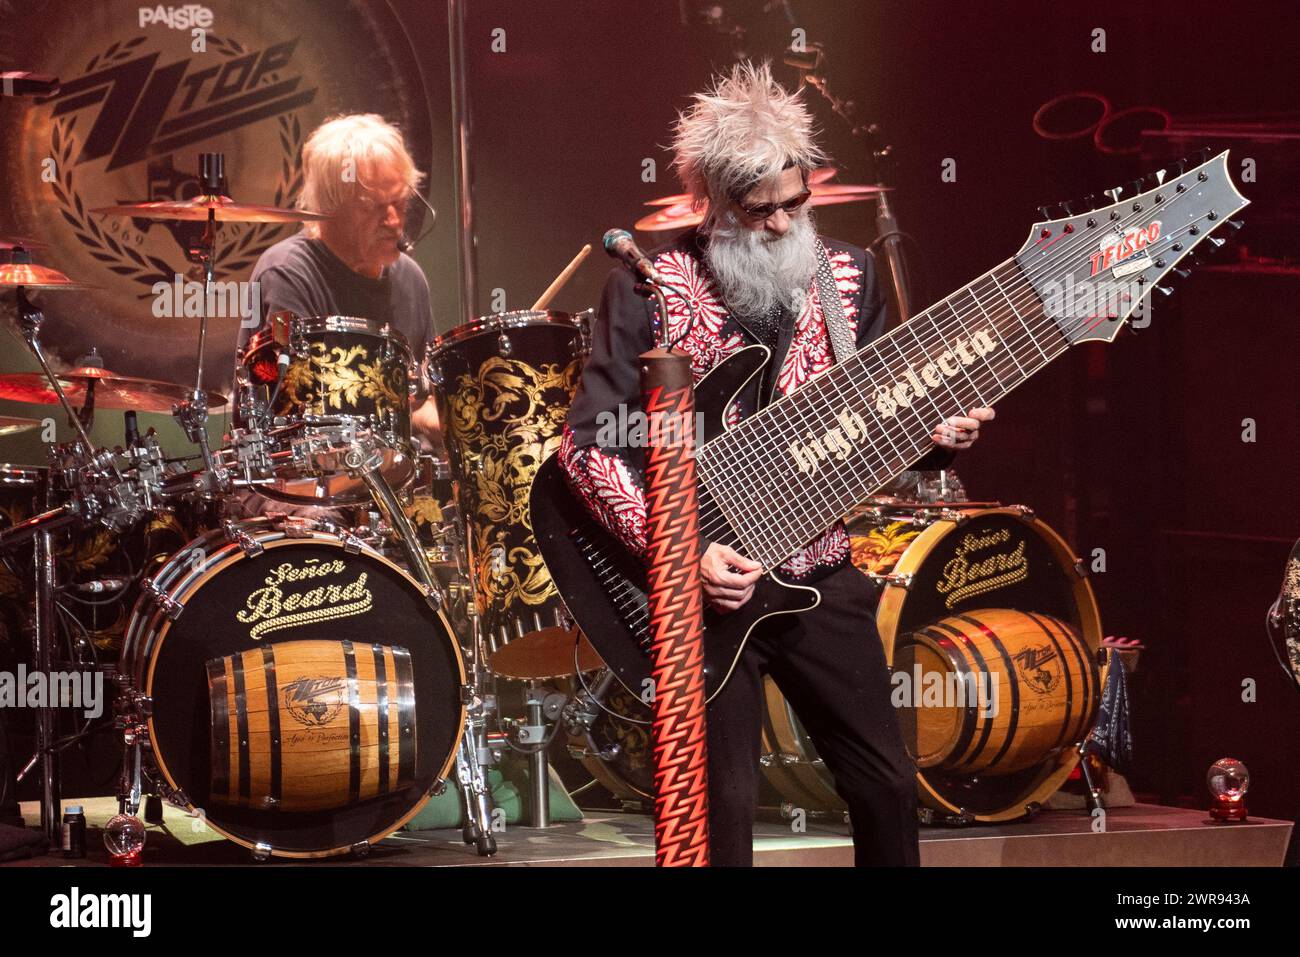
(1144, 835)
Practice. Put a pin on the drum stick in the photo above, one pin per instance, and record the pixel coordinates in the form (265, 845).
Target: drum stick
(562, 278)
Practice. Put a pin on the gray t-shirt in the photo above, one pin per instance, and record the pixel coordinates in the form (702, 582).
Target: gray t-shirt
(303, 276)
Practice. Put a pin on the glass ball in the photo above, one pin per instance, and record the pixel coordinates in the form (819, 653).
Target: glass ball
(124, 835)
(1228, 778)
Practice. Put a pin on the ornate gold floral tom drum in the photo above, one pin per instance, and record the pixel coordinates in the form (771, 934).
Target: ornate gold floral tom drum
(347, 376)
(504, 384)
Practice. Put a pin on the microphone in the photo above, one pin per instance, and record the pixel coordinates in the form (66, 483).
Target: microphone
(406, 244)
(805, 60)
(620, 245)
(132, 430)
(281, 369)
(26, 83)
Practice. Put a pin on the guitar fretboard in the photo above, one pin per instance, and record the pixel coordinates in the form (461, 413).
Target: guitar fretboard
(783, 476)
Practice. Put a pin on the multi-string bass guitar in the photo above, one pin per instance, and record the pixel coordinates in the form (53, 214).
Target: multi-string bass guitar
(779, 478)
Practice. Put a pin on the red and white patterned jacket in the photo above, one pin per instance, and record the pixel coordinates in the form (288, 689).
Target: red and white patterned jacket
(608, 479)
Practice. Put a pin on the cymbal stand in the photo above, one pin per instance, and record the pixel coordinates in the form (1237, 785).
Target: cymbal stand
(192, 413)
(472, 754)
(46, 581)
(809, 62)
(476, 756)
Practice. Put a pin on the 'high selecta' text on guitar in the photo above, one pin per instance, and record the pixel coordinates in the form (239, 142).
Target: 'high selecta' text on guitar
(779, 478)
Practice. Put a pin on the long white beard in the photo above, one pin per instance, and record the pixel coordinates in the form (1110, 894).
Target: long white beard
(757, 273)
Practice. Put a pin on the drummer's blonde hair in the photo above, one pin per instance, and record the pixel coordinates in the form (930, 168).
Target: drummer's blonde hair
(742, 131)
(339, 155)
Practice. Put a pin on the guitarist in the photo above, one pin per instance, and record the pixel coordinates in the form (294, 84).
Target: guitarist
(746, 275)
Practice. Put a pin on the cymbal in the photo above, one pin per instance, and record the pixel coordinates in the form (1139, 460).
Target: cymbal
(225, 210)
(32, 276)
(13, 424)
(112, 391)
(680, 216)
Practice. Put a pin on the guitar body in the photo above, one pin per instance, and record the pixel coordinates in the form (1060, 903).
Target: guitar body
(603, 584)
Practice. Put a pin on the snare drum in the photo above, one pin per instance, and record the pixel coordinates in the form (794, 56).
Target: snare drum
(347, 378)
(504, 384)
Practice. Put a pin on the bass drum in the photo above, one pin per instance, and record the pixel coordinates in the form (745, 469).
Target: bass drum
(303, 694)
(986, 602)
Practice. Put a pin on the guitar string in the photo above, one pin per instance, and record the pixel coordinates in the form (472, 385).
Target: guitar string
(1021, 299)
(1015, 343)
(1045, 264)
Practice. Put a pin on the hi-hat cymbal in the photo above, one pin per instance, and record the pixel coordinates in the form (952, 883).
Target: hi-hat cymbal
(112, 391)
(32, 276)
(13, 424)
(224, 209)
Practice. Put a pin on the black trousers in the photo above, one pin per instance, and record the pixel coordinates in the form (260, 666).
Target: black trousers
(830, 665)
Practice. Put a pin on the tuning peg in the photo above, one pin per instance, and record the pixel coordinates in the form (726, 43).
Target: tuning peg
(1236, 224)
(1092, 201)
(1181, 273)
(1165, 290)
(1135, 187)
(1045, 211)
(1215, 243)
(1066, 207)
(1197, 157)
(1113, 193)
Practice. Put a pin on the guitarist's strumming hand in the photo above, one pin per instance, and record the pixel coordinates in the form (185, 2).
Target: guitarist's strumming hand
(728, 577)
(961, 431)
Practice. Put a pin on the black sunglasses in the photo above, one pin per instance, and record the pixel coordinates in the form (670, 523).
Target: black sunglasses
(767, 210)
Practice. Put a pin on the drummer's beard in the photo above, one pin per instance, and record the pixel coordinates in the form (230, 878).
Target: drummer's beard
(756, 272)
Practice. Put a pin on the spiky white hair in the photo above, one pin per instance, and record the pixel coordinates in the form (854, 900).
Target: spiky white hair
(744, 130)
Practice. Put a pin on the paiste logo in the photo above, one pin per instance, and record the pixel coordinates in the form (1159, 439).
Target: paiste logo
(850, 432)
(1114, 250)
(177, 18)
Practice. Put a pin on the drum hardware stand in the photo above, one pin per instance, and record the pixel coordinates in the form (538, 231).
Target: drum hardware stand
(928, 816)
(539, 704)
(472, 755)
(809, 62)
(364, 460)
(46, 573)
(1093, 795)
(475, 755)
(192, 413)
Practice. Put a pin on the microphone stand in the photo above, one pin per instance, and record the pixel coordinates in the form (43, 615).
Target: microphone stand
(888, 235)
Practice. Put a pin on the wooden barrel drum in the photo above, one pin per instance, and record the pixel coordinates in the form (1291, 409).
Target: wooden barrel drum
(311, 725)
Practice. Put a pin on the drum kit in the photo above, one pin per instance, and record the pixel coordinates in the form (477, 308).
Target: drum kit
(307, 679)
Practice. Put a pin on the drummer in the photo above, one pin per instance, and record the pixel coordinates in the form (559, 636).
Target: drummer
(358, 172)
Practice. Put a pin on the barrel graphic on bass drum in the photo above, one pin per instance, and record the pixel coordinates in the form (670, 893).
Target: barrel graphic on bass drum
(311, 725)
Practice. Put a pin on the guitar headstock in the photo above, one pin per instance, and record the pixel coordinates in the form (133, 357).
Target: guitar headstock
(1095, 270)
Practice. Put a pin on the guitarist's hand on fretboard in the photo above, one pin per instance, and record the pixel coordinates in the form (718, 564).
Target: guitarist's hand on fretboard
(728, 577)
(961, 431)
